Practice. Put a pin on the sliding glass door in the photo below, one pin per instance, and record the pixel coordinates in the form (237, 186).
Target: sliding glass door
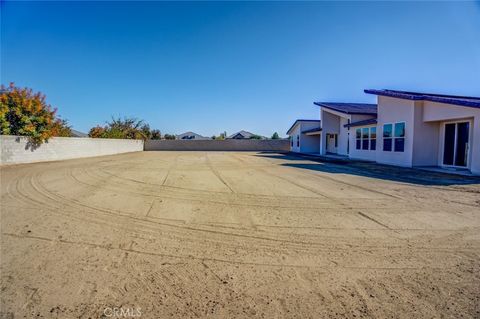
(455, 147)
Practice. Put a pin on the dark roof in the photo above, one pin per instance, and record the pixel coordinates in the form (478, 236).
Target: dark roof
(469, 101)
(362, 123)
(350, 108)
(312, 130)
(76, 133)
(301, 120)
(244, 135)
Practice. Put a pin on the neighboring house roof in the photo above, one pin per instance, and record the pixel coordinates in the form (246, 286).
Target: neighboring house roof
(350, 108)
(298, 121)
(190, 136)
(469, 101)
(362, 123)
(317, 129)
(242, 135)
(76, 133)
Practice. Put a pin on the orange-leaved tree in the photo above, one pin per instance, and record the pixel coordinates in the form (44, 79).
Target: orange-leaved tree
(25, 113)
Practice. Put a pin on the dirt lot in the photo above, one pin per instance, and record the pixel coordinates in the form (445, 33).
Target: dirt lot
(224, 235)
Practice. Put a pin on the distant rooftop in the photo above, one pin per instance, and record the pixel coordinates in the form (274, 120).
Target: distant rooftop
(469, 101)
(350, 108)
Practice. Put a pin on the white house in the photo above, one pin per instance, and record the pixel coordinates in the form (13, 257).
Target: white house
(305, 136)
(191, 136)
(241, 135)
(334, 118)
(408, 129)
(422, 129)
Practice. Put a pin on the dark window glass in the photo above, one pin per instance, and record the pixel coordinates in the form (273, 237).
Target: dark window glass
(449, 144)
(387, 144)
(336, 140)
(462, 142)
(373, 144)
(359, 133)
(399, 144)
(373, 132)
(358, 144)
(365, 132)
(387, 130)
(365, 144)
(399, 129)
(298, 141)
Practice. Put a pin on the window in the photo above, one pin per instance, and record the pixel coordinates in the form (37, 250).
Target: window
(298, 140)
(387, 137)
(394, 137)
(358, 137)
(365, 138)
(291, 141)
(399, 139)
(373, 138)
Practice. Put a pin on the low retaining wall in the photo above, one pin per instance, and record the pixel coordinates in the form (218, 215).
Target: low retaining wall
(218, 145)
(16, 149)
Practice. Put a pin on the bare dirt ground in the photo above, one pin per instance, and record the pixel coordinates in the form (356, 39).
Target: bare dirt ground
(235, 235)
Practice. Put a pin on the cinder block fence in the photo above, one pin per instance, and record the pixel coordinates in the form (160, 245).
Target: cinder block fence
(17, 149)
(281, 145)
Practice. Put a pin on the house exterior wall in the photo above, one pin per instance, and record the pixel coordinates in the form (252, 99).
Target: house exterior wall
(342, 148)
(366, 155)
(425, 139)
(293, 137)
(440, 113)
(393, 110)
(330, 125)
(308, 143)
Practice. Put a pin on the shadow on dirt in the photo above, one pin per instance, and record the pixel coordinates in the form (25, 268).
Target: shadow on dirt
(373, 170)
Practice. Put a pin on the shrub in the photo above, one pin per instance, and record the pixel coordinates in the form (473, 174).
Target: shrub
(126, 128)
(25, 113)
(156, 135)
(169, 136)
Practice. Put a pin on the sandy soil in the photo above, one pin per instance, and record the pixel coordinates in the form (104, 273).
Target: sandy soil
(234, 235)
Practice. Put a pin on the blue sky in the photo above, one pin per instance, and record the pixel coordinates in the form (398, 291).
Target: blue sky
(211, 67)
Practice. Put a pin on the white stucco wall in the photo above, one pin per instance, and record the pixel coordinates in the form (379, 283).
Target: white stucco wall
(15, 150)
(343, 137)
(439, 113)
(425, 139)
(393, 110)
(308, 143)
(330, 125)
(293, 137)
(366, 155)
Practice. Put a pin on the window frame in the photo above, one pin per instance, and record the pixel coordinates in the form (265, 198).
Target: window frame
(358, 138)
(387, 138)
(373, 138)
(395, 138)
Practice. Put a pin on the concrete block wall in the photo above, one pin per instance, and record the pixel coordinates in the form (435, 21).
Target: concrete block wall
(16, 149)
(218, 145)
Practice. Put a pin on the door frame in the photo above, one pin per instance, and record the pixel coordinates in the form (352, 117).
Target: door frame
(470, 132)
(334, 137)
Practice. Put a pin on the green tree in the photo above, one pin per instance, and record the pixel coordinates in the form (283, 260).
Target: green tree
(275, 136)
(156, 135)
(125, 128)
(169, 136)
(25, 113)
(255, 137)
